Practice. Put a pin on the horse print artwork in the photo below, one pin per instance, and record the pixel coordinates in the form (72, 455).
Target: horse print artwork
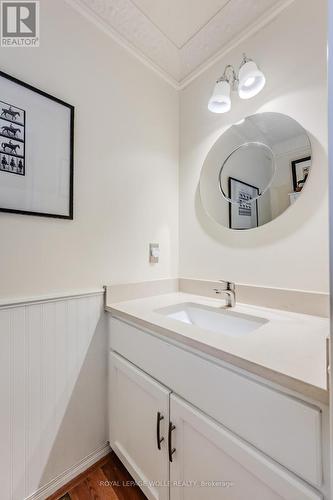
(36, 151)
(10, 131)
(9, 112)
(12, 139)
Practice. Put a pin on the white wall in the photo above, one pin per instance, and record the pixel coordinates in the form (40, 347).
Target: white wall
(126, 165)
(292, 251)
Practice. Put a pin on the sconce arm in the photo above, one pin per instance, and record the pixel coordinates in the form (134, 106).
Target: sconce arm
(230, 76)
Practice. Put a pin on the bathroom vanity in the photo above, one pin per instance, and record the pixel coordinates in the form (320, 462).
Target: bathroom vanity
(214, 403)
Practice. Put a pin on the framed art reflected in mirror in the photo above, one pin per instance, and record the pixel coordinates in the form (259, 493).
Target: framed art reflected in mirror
(300, 172)
(243, 211)
(36, 151)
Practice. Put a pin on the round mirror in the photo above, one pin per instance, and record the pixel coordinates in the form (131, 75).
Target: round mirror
(255, 170)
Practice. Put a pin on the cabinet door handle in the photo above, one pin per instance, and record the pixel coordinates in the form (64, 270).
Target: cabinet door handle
(170, 449)
(158, 429)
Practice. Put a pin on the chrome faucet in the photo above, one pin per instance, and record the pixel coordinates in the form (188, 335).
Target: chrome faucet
(229, 292)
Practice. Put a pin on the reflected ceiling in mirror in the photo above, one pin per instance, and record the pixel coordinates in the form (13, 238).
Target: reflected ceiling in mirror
(255, 171)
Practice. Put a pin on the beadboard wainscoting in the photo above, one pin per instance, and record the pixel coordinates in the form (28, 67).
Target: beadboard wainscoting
(53, 370)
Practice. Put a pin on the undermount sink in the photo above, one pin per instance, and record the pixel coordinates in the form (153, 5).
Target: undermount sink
(224, 321)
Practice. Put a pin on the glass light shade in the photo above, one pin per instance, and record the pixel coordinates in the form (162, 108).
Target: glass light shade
(251, 80)
(220, 101)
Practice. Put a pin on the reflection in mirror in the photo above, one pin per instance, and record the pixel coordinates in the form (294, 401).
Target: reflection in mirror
(255, 170)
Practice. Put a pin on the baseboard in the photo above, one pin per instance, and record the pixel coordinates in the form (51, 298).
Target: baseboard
(66, 476)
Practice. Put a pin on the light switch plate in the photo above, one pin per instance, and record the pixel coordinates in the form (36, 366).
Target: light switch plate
(154, 253)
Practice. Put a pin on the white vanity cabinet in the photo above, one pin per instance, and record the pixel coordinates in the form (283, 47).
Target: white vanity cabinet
(138, 417)
(215, 435)
(224, 467)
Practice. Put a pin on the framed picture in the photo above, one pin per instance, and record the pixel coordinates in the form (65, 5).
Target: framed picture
(243, 213)
(36, 151)
(300, 171)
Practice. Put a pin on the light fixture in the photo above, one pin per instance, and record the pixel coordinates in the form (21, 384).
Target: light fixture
(220, 101)
(250, 79)
(250, 82)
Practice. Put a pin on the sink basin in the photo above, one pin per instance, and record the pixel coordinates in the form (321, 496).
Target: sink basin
(224, 321)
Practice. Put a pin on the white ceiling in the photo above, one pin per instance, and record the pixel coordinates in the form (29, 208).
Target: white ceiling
(179, 38)
(180, 20)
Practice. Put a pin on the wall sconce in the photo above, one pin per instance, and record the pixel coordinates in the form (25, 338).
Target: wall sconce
(250, 82)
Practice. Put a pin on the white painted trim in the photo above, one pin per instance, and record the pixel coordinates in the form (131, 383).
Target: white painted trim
(179, 85)
(54, 297)
(69, 474)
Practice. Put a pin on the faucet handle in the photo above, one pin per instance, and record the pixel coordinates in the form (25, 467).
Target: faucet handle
(230, 285)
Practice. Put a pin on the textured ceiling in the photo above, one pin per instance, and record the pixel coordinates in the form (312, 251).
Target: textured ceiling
(178, 37)
(180, 20)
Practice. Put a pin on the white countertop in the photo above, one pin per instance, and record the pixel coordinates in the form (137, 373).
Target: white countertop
(290, 349)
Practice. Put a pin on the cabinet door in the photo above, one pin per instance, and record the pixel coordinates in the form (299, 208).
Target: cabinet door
(210, 463)
(138, 414)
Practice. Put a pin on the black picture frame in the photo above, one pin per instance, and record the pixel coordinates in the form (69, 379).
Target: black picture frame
(71, 108)
(294, 165)
(233, 205)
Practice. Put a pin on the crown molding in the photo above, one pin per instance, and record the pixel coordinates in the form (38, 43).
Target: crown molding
(181, 83)
(260, 23)
(108, 30)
